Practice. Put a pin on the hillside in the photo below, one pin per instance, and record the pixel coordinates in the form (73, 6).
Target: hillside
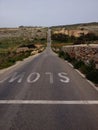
(12, 38)
(84, 33)
(77, 28)
(30, 33)
(19, 43)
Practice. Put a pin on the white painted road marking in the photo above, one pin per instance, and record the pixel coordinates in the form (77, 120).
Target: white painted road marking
(51, 76)
(80, 73)
(15, 77)
(34, 77)
(1, 81)
(50, 102)
(34, 80)
(65, 78)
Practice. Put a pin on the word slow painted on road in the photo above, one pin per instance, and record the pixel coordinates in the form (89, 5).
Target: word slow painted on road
(34, 77)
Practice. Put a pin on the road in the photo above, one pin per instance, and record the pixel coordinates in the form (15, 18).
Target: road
(45, 93)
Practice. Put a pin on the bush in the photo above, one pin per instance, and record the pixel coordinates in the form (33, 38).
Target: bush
(61, 54)
(78, 64)
(9, 59)
(84, 69)
(67, 57)
(88, 69)
(93, 76)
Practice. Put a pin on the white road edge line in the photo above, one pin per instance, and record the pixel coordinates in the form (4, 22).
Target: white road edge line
(50, 102)
(83, 76)
(80, 73)
(90, 82)
(70, 65)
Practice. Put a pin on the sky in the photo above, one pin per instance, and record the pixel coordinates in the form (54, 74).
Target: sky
(14, 13)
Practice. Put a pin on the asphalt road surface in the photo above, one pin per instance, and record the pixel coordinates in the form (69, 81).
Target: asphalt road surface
(45, 93)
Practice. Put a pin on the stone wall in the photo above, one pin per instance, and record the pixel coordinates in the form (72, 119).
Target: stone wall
(84, 52)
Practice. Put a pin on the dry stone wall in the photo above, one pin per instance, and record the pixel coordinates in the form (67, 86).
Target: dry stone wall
(84, 52)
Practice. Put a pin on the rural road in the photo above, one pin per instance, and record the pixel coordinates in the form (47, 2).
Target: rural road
(46, 93)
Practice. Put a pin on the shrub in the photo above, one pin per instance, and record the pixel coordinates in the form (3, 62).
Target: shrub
(93, 76)
(88, 69)
(8, 60)
(78, 64)
(84, 69)
(61, 54)
(67, 57)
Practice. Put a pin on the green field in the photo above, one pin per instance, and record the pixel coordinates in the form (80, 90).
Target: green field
(13, 39)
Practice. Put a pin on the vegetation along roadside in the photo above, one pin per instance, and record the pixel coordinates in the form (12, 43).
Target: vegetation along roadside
(19, 43)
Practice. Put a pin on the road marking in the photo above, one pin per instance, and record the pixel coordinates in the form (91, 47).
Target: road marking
(18, 77)
(51, 76)
(65, 78)
(32, 75)
(70, 65)
(92, 84)
(1, 81)
(80, 73)
(50, 102)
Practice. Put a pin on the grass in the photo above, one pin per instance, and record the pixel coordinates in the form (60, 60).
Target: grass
(8, 59)
(13, 42)
(8, 47)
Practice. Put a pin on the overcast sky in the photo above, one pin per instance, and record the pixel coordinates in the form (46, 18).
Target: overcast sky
(14, 13)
